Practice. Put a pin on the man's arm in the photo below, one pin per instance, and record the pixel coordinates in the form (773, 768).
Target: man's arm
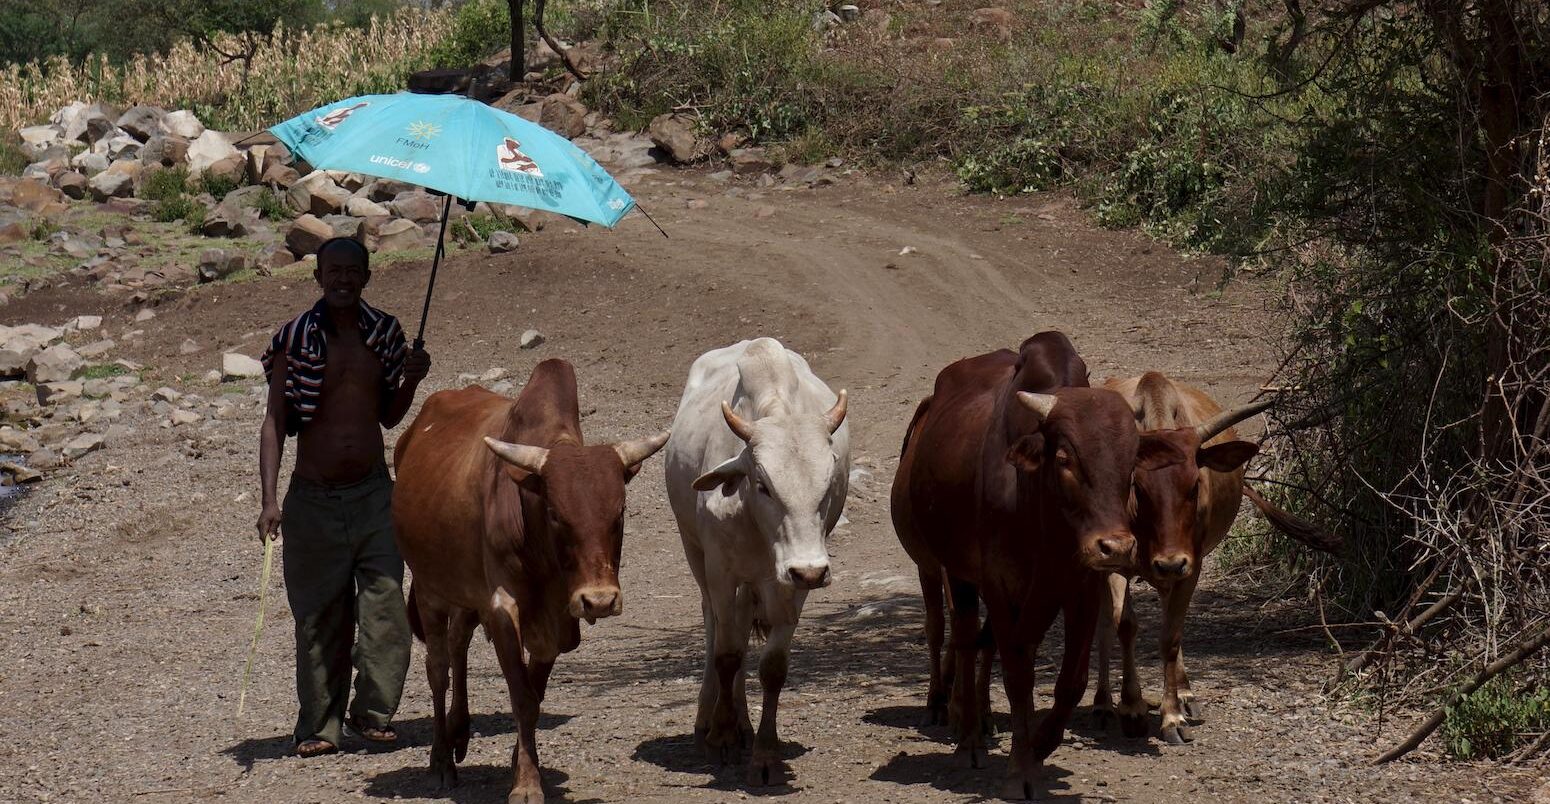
(271, 445)
(416, 365)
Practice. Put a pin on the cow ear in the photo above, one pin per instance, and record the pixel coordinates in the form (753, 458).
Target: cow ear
(532, 481)
(1156, 453)
(726, 475)
(1027, 453)
(1226, 457)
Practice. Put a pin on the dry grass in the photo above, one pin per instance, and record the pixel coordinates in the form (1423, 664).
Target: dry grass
(289, 72)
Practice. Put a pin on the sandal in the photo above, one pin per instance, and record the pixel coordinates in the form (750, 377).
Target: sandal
(315, 748)
(376, 734)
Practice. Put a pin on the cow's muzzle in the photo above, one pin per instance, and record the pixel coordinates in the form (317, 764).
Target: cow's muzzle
(1171, 567)
(1112, 551)
(592, 603)
(809, 577)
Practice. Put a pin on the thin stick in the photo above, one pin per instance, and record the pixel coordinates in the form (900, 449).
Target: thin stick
(441, 248)
(649, 218)
(1524, 650)
(258, 627)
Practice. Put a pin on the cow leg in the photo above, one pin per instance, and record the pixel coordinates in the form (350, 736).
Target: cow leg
(1017, 677)
(434, 622)
(723, 740)
(708, 682)
(1192, 708)
(1081, 616)
(460, 632)
(767, 767)
(747, 604)
(931, 594)
(1175, 729)
(964, 708)
(1109, 603)
(527, 787)
(1132, 706)
(987, 658)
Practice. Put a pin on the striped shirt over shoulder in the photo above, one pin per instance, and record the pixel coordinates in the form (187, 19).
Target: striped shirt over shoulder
(304, 344)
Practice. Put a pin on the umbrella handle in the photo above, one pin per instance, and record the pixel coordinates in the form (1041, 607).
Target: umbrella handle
(441, 240)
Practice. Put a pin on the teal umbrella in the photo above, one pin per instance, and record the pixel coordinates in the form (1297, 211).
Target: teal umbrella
(461, 148)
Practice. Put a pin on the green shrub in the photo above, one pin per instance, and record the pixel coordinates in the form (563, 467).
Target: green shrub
(164, 184)
(475, 229)
(271, 206)
(43, 229)
(1496, 719)
(216, 186)
(480, 27)
(12, 160)
(103, 371)
(175, 208)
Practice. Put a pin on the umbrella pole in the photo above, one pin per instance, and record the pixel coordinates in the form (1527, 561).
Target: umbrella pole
(441, 240)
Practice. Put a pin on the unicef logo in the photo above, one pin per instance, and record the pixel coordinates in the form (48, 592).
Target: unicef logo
(421, 167)
(394, 162)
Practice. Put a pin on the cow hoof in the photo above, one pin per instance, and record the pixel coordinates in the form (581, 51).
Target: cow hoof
(1177, 735)
(1103, 719)
(988, 724)
(975, 755)
(458, 729)
(526, 795)
(444, 771)
(768, 771)
(1133, 726)
(936, 715)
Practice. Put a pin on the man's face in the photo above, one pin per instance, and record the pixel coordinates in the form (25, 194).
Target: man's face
(342, 274)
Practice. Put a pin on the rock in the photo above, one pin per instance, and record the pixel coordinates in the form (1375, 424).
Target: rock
(14, 231)
(317, 194)
(280, 177)
(142, 122)
(81, 445)
(165, 394)
(165, 150)
(941, 44)
(384, 190)
(564, 115)
(183, 123)
(731, 141)
(57, 363)
(145, 314)
(996, 22)
(531, 339)
(824, 20)
(418, 206)
(13, 364)
(502, 242)
(232, 169)
(44, 458)
(13, 441)
(676, 134)
(207, 149)
(34, 196)
(37, 139)
(56, 393)
(847, 13)
(236, 366)
(189, 346)
(362, 207)
(306, 234)
(18, 474)
(122, 146)
(73, 184)
(345, 226)
(118, 181)
(184, 417)
(90, 163)
(96, 349)
(216, 264)
(82, 323)
(225, 221)
(749, 160)
(503, 387)
(47, 171)
(89, 123)
(399, 235)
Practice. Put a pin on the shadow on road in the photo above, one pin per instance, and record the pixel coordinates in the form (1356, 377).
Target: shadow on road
(477, 784)
(415, 733)
(678, 754)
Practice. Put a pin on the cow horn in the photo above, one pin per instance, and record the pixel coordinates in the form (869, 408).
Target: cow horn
(1040, 404)
(1216, 424)
(633, 452)
(521, 456)
(740, 426)
(836, 415)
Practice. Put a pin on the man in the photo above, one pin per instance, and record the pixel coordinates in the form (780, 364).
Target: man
(338, 374)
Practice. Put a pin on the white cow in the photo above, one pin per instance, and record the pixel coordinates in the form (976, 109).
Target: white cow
(757, 470)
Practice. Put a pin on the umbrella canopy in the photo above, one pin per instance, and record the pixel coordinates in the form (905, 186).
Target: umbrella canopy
(460, 147)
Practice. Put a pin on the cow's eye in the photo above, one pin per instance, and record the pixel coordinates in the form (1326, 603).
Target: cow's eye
(761, 488)
(1062, 457)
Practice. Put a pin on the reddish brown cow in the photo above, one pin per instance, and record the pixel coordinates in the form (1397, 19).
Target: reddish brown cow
(1185, 503)
(508, 520)
(1014, 485)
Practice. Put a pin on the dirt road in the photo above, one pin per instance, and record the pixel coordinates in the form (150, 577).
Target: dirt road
(127, 588)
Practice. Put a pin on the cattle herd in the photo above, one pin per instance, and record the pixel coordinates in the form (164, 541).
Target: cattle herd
(1019, 487)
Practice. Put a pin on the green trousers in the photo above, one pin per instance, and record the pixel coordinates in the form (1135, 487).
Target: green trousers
(344, 579)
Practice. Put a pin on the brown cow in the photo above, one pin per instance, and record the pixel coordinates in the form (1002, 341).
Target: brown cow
(508, 520)
(1014, 485)
(1184, 505)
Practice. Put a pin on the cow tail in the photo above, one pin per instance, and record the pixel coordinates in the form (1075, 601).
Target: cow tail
(920, 413)
(415, 626)
(1294, 526)
(760, 627)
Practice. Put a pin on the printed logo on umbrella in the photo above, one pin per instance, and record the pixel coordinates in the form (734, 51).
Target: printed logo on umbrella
(332, 120)
(510, 156)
